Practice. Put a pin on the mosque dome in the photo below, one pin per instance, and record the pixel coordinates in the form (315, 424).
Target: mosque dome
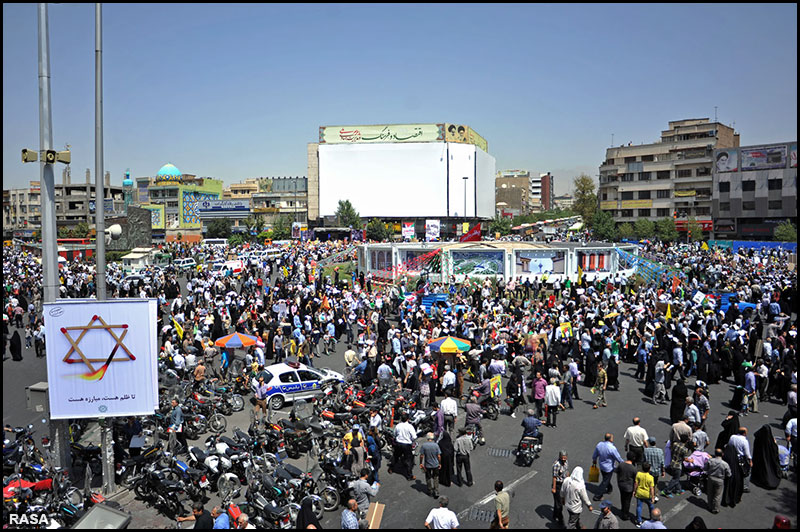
(168, 173)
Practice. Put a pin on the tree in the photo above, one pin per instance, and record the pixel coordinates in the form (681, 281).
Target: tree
(585, 197)
(219, 228)
(786, 232)
(626, 231)
(376, 230)
(695, 229)
(347, 216)
(282, 228)
(666, 230)
(64, 232)
(644, 228)
(500, 224)
(603, 226)
(81, 230)
(255, 224)
(237, 239)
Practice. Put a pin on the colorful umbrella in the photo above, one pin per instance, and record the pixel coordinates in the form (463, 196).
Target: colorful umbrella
(235, 340)
(449, 344)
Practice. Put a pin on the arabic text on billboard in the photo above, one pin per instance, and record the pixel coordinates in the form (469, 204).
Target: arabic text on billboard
(381, 133)
(465, 135)
(478, 263)
(225, 205)
(432, 230)
(764, 158)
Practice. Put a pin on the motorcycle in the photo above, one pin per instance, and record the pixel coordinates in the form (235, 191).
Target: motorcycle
(153, 486)
(529, 449)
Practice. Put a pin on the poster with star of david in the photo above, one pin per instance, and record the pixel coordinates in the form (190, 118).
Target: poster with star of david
(102, 357)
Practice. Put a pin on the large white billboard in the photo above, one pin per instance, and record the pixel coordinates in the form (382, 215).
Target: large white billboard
(486, 173)
(102, 357)
(399, 180)
(462, 164)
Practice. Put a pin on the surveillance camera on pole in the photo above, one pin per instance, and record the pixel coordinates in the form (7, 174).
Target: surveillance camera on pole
(29, 156)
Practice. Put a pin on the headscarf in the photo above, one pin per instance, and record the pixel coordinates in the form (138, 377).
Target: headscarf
(679, 395)
(766, 467)
(306, 516)
(576, 478)
(729, 428)
(734, 485)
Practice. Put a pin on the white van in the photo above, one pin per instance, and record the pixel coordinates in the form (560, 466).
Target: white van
(215, 242)
(185, 264)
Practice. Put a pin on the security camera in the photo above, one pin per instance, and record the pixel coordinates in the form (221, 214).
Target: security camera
(64, 157)
(29, 156)
(49, 156)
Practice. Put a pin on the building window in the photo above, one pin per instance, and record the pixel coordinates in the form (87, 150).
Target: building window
(644, 176)
(748, 186)
(775, 205)
(725, 186)
(662, 174)
(626, 213)
(662, 194)
(630, 159)
(748, 205)
(775, 184)
(703, 210)
(644, 194)
(605, 196)
(685, 173)
(662, 213)
(705, 170)
(627, 195)
(725, 206)
(627, 177)
(644, 213)
(647, 158)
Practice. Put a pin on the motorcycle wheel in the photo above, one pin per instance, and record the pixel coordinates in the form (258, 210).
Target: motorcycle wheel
(237, 402)
(227, 485)
(292, 452)
(142, 490)
(218, 423)
(270, 462)
(128, 479)
(191, 432)
(74, 496)
(493, 413)
(226, 409)
(330, 498)
(317, 506)
(294, 510)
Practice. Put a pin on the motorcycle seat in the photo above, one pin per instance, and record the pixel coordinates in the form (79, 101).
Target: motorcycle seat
(282, 474)
(199, 455)
(243, 436)
(169, 484)
(230, 452)
(294, 471)
(194, 472)
(342, 416)
(342, 472)
(228, 441)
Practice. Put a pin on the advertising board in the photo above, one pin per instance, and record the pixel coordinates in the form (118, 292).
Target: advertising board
(478, 263)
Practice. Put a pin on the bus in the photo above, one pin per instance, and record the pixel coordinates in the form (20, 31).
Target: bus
(79, 241)
(215, 242)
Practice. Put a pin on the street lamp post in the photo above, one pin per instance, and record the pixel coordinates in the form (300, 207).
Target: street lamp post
(465, 196)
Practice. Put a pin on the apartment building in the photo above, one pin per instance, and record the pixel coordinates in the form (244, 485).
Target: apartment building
(754, 189)
(512, 193)
(281, 196)
(672, 175)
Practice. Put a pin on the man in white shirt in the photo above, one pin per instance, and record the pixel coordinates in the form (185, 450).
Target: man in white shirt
(449, 407)
(448, 380)
(404, 436)
(442, 517)
(552, 396)
(636, 440)
(180, 363)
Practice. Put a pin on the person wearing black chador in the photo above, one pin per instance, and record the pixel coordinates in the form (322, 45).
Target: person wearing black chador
(730, 426)
(16, 347)
(734, 485)
(766, 467)
(678, 405)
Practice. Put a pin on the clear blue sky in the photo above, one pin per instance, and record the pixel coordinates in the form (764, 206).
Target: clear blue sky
(237, 91)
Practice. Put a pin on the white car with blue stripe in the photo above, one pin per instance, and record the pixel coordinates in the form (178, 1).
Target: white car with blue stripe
(292, 381)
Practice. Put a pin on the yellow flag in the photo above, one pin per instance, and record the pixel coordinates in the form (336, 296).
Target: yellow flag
(178, 328)
(669, 311)
(704, 247)
(580, 274)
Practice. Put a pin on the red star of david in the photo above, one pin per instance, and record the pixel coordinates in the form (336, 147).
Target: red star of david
(88, 361)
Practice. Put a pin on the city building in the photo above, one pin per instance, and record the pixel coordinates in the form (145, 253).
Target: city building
(281, 196)
(241, 190)
(665, 178)
(542, 192)
(564, 202)
(174, 200)
(402, 172)
(754, 189)
(75, 203)
(512, 192)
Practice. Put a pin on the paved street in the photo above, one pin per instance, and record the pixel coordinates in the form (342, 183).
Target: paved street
(578, 431)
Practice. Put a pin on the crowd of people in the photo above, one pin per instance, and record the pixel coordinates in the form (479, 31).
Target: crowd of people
(516, 330)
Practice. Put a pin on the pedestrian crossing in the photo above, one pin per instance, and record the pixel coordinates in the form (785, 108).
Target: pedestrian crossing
(500, 453)
(480, 515)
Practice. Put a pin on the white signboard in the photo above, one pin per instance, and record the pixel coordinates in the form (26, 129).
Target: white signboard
(699, 297)
(102, 357)
(408, 230)
(431, 230)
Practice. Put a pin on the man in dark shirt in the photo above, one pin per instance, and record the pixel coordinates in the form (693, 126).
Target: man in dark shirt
(201, 517)
(626, 473)
(530, 426)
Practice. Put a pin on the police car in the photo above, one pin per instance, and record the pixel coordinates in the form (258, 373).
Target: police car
(292, 381)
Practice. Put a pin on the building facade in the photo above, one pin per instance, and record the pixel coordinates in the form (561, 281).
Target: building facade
(512, 191)
(75, 203)
(665, 178)
(754, 189)
(281, 196)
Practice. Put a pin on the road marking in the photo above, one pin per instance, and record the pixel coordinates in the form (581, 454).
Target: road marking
(491, 496)
(678, 507)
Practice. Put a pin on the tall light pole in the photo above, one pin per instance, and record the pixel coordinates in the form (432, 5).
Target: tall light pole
(465, 196)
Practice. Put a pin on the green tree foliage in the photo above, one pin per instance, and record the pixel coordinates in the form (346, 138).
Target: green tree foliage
(64, 232)
(263, 235)
(376, 230)
(696, 229)
(282, 228)
(500, 224)
(347, 216)
(666, 230)
(786, 232)
(81, 230)
(254, 223)
(585, 197)
(626, 231)
(237, 239)
(219, 228)
(644, 228)
(603, 226)
(540, 216)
